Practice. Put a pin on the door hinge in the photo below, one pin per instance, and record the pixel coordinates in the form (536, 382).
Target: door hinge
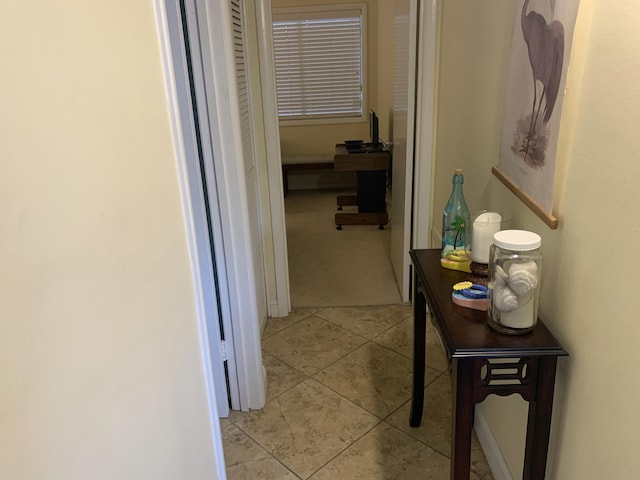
(223, 350)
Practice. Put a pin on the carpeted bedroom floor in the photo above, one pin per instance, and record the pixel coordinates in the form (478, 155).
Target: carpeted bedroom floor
(329, 267)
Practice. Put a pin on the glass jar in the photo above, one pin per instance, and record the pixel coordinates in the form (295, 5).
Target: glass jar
(515, 264)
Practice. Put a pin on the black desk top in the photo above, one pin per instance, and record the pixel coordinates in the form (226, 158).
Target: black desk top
(343, 160)
(465, 331)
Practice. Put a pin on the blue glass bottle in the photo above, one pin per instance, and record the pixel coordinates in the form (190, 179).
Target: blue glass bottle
(456, 227)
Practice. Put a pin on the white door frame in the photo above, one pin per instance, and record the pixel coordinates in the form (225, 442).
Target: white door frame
(414, 199)
(280, 304)
(216, 41)
(195, 216)
(227, 192)
(192, 193)
(404, 116)
(425, 123)
(419, 166)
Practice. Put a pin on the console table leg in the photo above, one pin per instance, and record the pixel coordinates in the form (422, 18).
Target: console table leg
(463, 413)
(539, 422)
(419, 348)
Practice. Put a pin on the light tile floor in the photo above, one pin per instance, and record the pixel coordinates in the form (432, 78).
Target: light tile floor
(338, 400)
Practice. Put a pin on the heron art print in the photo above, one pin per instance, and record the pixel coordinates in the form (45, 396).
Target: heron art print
(545, 48)
(536, 79)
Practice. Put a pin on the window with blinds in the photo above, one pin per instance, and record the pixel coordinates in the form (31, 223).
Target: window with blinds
(319, 62)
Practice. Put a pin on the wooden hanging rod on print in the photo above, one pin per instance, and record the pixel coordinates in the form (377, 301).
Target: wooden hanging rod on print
(550, 220)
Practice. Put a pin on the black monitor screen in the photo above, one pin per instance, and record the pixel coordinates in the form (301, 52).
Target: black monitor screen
(373, 129)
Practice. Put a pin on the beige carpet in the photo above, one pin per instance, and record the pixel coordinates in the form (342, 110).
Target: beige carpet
(327, 267)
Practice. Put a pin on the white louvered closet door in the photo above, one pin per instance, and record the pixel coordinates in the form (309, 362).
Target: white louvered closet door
(248, 154)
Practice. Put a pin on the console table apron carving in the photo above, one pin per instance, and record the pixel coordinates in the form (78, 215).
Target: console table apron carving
(482, 362)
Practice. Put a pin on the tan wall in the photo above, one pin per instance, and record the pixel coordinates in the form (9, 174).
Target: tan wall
(321, 139)
(99, 349)
(588, 280)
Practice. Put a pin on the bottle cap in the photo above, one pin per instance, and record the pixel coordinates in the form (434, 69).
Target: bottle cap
(518, 240)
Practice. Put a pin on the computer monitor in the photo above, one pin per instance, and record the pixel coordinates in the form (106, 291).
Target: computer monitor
(373, 129)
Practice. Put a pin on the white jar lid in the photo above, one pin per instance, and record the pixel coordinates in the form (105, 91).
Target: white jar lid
(518, 240)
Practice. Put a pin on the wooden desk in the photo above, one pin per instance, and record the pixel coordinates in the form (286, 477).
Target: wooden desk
(482, 362)
(371, 169)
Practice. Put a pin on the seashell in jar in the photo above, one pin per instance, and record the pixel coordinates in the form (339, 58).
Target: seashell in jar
(505, 299)
(523, 277)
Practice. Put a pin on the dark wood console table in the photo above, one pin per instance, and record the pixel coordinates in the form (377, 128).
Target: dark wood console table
(371, 169)
(482, 362)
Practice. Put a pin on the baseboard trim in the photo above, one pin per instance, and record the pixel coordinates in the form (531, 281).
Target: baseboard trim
(491, 448)
(275, 311)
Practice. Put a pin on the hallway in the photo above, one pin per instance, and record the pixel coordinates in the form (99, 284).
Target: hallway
(339, 377)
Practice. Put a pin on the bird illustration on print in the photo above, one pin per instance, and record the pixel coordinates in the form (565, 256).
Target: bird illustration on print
(545, 47)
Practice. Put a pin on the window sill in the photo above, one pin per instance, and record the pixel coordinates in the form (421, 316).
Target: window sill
(322, 121)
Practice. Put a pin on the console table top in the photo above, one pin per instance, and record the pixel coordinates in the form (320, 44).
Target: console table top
(465, 331)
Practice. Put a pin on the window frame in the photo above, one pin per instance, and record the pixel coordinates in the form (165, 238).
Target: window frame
(331, 11)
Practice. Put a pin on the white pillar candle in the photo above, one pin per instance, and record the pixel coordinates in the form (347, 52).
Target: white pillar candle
(484, 226)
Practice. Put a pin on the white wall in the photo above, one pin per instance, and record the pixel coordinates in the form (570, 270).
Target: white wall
(100, 364)
(588, 297)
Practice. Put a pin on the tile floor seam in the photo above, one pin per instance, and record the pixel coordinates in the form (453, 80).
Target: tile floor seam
(349, 400)
(288, 389)
(266, 450)
(353, 441)
(347, 447)
(340, 326)
(263, 338)
(342, 357)
(365, 340)
(288, 364)
(356, 333)
(416, 437)
(321, 369)
(248, 435)
(385, 346)
(446, 455)
(274, 458)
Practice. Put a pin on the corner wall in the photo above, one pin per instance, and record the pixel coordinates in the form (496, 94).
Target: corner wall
(588, 275)
(99, 347)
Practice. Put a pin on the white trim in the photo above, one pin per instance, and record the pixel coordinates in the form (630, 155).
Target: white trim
(217, 55)
(331, 120)
(192, 201)
(401, 247)
(490, 446)
(323, 11)
(213, 373)
(217, 226)
(253, 156)
(280, 300)
(425, 115)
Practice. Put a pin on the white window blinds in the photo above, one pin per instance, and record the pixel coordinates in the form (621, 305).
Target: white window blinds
(319, 63)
